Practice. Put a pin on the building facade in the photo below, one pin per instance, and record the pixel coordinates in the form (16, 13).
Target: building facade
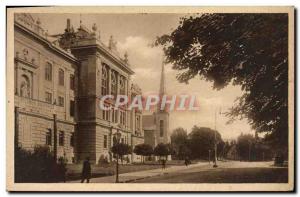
(59, 81)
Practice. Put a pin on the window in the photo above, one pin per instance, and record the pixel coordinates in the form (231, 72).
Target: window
(161, 128)
(48, 72)
(48, 97)
(72, 108)
(61, 77)
(105, 141)
(113, 83)
(104, 81)
(49, 137)
(61, 101)
(122, 86)
(105, 114)
(114, 116)
(72, 142)
(122, 117)
(137, 123)
(61, 138)
(72, 82)
(25, 89)
(122, 140)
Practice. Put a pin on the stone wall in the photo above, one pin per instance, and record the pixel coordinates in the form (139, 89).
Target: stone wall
(32, 131)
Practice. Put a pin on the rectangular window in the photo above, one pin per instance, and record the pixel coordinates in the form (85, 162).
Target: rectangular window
(161, 128)
(114, 116)
(72, 108)
(122, 117)
(48, 72)
(105, 114)
(61, 138)
(61, 77)
(48, 97)
(137, 123)
(61, 101)
(72, 143)
(105, 141)
(72, 82)
(49, 137)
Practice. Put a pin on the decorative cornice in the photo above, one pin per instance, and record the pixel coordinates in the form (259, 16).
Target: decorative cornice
(46, 42)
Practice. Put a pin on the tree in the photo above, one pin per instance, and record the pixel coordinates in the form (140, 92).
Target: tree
(179, 143)
(121, 149)
(201, 141)
(162, 150)
(143, 150)
(249, 50)
(245, 147)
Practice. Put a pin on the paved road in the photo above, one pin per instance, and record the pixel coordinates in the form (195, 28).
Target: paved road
(227, 172)
(133, 176)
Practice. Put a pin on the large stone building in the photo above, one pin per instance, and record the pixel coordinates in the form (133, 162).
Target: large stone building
(58, 83)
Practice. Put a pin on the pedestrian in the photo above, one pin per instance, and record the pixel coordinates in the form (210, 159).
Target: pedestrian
(186, 161)
(164, 164)
(86, 171)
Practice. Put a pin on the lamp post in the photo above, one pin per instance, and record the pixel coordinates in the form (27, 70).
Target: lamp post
(118, 137)
(249, 150)
(209, 156)
(215, 141)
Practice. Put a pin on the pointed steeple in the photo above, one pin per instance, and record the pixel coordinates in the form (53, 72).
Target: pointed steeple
(162, 87)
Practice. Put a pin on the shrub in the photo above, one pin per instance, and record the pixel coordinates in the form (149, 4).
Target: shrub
(38, 166)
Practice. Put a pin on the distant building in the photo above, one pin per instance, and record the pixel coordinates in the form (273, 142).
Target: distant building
(58, 83)
(156, 125)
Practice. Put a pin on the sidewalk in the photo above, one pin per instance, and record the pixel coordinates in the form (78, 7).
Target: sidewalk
(133, 176)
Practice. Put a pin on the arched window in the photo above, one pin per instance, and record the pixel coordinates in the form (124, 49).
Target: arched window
(122, 86)
(113, 83)
(104, 81)
(25, 88)
(61, 77)
(48, 72)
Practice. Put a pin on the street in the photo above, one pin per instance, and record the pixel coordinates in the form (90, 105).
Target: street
(227, 172)
(202, 172)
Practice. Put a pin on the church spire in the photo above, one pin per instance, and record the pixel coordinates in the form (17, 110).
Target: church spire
(162, 87)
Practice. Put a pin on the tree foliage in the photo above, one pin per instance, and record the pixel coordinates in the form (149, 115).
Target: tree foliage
(121, 149)
(38, 166)
(250, 148)
(201, 140)
(162, 150)
(179, 143)
(249, 50)
(143, 150)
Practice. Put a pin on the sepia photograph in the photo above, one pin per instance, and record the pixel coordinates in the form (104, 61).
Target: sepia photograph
(150, 99)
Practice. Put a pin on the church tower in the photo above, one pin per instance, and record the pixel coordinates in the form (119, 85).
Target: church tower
(162, 115)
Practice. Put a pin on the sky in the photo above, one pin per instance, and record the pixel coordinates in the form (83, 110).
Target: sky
(135, 33)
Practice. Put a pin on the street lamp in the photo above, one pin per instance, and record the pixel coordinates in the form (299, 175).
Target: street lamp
(215, 141)
(118, 137)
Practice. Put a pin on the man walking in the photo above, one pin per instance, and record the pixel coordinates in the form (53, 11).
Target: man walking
(86, 171)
